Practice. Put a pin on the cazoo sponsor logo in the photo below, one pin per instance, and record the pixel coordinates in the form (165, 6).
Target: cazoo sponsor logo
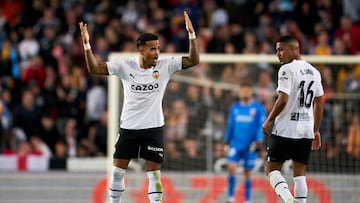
(145, 88)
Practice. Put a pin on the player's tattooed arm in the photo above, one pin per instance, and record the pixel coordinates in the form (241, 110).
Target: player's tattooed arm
(193, 58)
(93, 66)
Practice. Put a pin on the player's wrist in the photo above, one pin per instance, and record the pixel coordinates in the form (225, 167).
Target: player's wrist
(192, 35)
(86, 46)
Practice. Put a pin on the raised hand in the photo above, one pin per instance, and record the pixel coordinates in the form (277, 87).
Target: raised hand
(85, 37)
(188, 24)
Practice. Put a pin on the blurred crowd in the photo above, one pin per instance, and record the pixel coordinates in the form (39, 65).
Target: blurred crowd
(49, 105)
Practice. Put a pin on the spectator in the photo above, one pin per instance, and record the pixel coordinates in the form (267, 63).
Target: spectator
(61, 149)
(351, 8)
(348, 33)
(47, 43)
(221, 38)
(28, 47)
(70, 135)
(174, 91)
(175, 130)
(291, 27)
(322, 47)
(5, 114)
(305, 12)
(48, 20)
(112, 42)
(281, 10)
(68, 98)
(219, 17)
(48, 93)
(218, 105)
(198, 112)
(9, 61)
(353, 136)
(8, 142)
(227, 74)
(351, 84)
(49, 132)
(34, 72)
(96, 100)
(58, 159)
(22, 152)
(39, 146)
(266, 86)
(328, 108)
(328, 12)
(101, 44)
(100, 135)
(27, 115)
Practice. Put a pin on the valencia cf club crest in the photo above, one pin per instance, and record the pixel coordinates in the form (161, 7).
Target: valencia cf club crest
(155, 75)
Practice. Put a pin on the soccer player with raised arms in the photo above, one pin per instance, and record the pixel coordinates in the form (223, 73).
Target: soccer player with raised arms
(142, 123)
(297, 114)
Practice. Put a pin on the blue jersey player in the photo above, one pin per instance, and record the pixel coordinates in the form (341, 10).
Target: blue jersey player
(243, 138)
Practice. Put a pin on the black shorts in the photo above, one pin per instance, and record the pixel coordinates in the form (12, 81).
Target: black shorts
(146, 143)
(281, 149)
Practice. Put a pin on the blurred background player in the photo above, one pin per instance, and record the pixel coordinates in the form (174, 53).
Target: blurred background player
(243, 138)
(142, 121)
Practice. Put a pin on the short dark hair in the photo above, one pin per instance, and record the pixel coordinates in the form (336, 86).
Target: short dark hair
(287, 38)
(144, 37)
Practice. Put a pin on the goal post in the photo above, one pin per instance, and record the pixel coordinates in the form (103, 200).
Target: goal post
(114, 83)
(254, 58)
(114, 95)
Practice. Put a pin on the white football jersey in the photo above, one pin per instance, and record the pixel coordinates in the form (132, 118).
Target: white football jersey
(302, 83)
(143, 90)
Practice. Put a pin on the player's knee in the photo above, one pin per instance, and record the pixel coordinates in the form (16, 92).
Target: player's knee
(231, 167)
(152, 166)
(273, 166)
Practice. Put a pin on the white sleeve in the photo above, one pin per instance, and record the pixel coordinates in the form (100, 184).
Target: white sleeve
(284, 80)
(174, 64)
(115, 67)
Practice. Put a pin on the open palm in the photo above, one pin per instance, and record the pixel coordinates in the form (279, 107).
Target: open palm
(84, 32)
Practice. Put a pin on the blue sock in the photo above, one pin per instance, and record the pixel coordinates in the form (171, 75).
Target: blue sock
(231, 183)
(247, 189)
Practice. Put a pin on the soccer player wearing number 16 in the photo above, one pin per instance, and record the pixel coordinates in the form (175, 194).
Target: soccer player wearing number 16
(297, 113)
(244, 137)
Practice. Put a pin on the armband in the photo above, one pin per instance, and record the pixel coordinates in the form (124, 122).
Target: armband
(87, 46)
(192, 36)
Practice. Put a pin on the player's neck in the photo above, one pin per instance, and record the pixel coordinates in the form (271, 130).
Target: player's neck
(143, 64)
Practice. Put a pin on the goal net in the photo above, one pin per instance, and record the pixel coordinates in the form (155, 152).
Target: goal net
(196, 106)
